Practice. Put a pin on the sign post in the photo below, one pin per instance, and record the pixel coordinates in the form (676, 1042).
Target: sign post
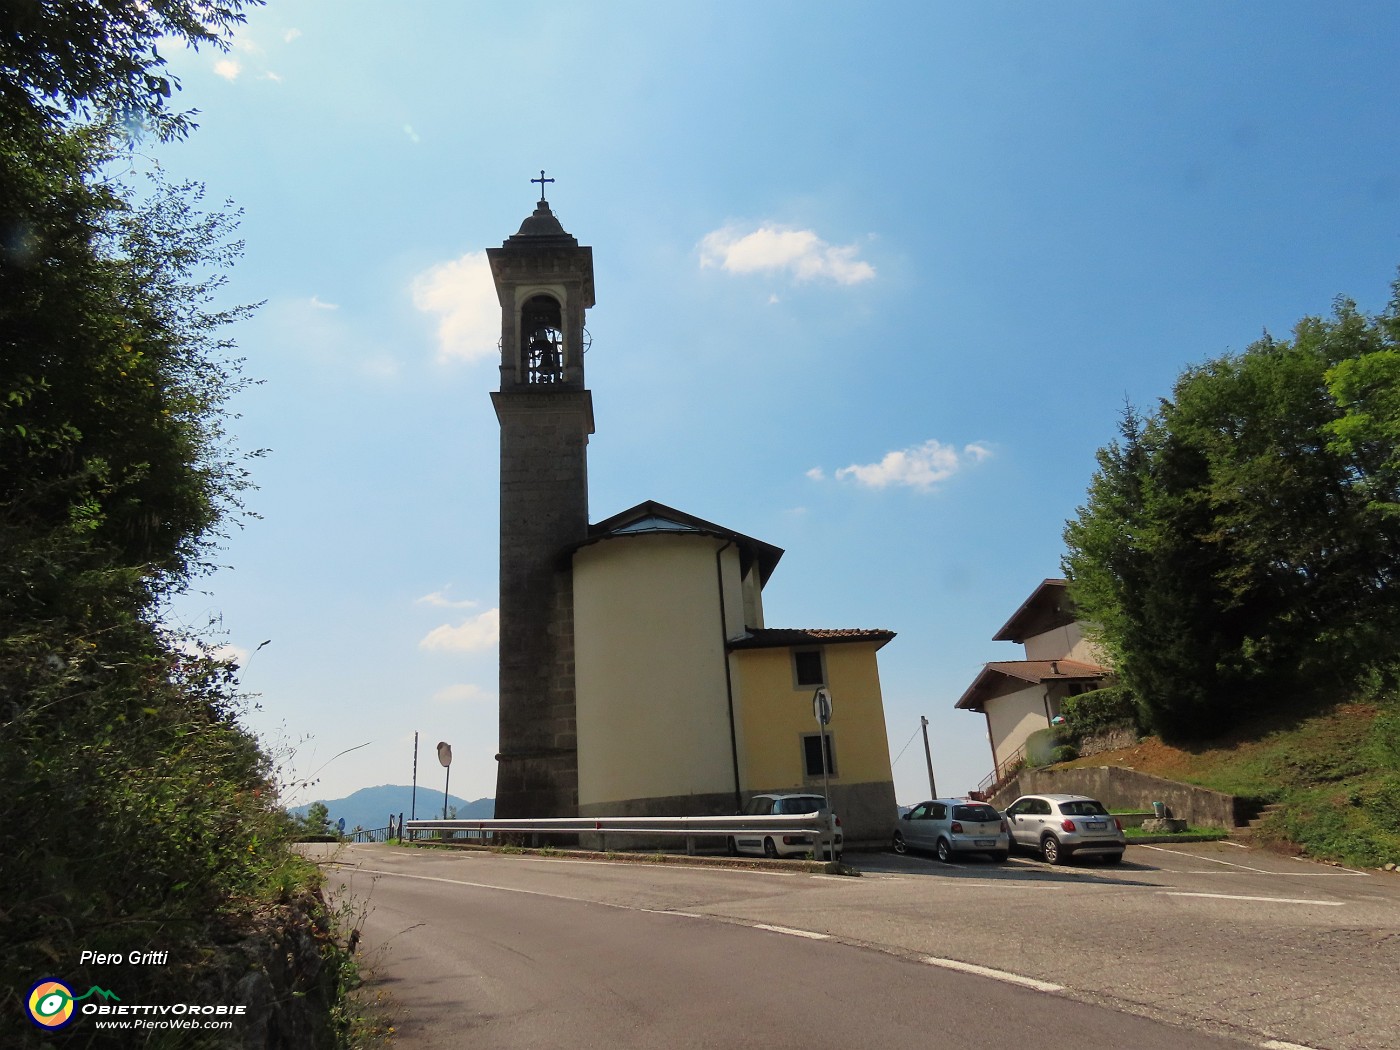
(444, 750)
(821, 708)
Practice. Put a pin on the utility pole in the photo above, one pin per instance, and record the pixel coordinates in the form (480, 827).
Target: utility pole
(413, 799)
(928, 757)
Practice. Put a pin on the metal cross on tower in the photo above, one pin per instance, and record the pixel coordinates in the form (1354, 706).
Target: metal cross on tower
(542, 180)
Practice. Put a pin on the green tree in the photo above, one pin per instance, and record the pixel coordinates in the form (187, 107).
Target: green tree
(1229, 547)
(1367, 434)
(317, 820)
(98, 62)
(139, 813)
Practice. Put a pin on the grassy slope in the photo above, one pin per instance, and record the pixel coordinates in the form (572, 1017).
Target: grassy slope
(1335, 773)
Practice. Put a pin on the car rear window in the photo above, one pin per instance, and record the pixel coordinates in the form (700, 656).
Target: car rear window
(1083, 808)
(975, 813)
(802, 804)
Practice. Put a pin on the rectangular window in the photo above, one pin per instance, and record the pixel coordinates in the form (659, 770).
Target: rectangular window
(812, 755)
(807, 669)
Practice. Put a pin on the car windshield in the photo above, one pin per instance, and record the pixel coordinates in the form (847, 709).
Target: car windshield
(1086, 807)
(800, 804)
(975, 813)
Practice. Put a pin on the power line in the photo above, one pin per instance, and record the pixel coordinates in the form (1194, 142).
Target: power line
(906, 744)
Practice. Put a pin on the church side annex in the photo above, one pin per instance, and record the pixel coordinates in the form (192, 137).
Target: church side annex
(637, 676)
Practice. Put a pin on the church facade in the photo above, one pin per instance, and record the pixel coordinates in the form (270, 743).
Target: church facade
(637, 676)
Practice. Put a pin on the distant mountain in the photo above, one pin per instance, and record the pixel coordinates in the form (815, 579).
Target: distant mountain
(369, 808)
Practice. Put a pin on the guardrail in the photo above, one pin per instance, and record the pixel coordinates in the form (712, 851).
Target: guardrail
(820, 827)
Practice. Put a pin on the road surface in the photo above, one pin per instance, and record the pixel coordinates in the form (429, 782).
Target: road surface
(1187, 948)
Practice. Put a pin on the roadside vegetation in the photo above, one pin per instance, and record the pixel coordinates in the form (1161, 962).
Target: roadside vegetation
(1238, 558)
(140, 815)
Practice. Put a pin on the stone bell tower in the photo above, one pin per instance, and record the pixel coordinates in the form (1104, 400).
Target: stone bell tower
(544, 281)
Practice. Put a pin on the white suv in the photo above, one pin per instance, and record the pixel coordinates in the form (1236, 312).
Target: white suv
(783, 844)
(1060, 826)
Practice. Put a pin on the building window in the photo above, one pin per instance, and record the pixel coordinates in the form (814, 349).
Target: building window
(808, 669)
(812, 755)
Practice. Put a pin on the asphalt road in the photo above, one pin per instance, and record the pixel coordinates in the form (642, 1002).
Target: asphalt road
(1191, 947)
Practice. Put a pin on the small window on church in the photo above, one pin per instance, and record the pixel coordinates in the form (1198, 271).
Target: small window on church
(812, 755)
(807, 668)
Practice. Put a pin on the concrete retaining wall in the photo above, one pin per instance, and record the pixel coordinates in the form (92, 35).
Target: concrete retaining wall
(1127, 789)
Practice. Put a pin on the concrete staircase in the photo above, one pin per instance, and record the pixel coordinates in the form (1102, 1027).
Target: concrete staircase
(1245, 832)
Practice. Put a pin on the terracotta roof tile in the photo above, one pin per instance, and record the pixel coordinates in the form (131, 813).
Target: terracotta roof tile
(1033, 671)
(777, 637)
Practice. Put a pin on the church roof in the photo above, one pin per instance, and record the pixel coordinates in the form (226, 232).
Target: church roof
(1033, 672)
(1047, 608)
(781, 637)
(651, 518)
(541, 228)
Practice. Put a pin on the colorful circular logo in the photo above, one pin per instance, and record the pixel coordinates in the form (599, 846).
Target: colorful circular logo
(50, 1003)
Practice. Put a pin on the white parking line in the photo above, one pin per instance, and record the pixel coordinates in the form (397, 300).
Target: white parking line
(1211, 860)
(791, 932)
(996, 975)
(1246, 867)
(1279, 1044)
(1236, 897)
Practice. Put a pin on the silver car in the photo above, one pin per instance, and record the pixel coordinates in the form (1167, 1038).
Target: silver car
(1061, 826)
(949, 826)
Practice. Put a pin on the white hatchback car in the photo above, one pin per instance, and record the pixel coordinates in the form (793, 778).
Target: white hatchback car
(949, 826)
(782, 844)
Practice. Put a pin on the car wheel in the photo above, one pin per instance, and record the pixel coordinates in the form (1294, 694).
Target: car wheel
(1001, 856)
(1050, 850)
(769, 850)
(1113, 858)
(899, 844)
(945, 851)
(731, 847)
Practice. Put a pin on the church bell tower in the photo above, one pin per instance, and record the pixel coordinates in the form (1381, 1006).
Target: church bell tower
(544, 282)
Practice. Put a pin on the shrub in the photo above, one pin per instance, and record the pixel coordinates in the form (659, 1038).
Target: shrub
(1109, 708)
(1043, 744)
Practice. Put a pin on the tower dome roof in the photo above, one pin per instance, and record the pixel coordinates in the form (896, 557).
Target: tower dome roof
(541, 227)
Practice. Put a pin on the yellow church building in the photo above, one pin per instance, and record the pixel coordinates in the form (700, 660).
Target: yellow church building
(687, 703)
(637, 675)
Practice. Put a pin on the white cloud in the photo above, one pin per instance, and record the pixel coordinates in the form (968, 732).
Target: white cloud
(920, 467)
(475, 634)
(290, 35)
(323, 333)
(463, 693)
(772, 248)
(412, 135)
(463, 296)
(817, 474)
(269, 75)
(232, 653)
(228, 68)
(442, 601)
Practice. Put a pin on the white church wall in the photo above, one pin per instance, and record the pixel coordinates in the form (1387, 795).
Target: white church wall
(653, 717)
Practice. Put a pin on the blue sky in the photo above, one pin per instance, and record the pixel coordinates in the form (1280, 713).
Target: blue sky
(873, 284)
